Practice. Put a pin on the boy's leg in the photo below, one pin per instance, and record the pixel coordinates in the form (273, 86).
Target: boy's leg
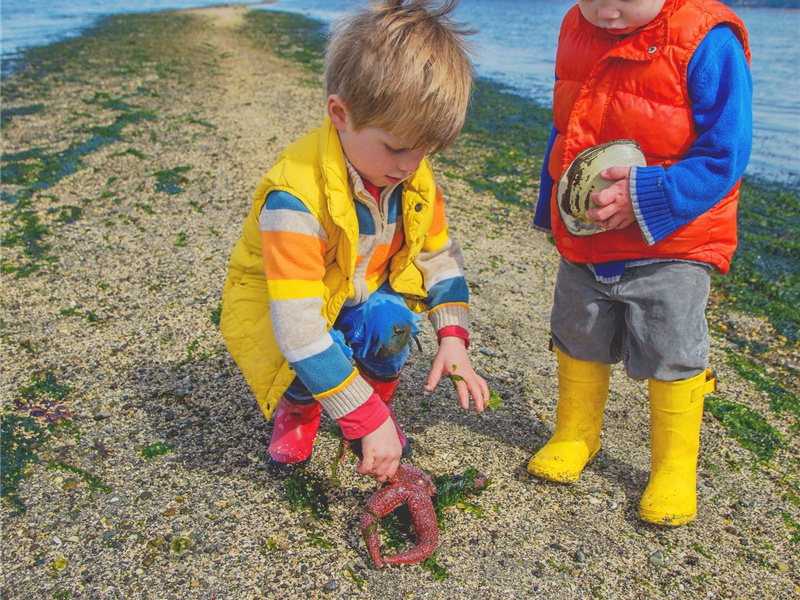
(582, 392)
(379, 332)
(295, 423)
(667, 344)
(584, 326)
(676, 412)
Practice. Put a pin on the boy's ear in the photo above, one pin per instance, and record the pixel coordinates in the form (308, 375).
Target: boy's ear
(337, 111)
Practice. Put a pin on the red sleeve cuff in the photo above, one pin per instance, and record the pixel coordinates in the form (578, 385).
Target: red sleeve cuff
(453, 331)
(365, 419)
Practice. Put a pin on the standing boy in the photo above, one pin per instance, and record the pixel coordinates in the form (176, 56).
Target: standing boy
(672, 75)
(347, 240)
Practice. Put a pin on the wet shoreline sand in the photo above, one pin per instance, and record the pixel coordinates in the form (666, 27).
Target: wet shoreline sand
(130, 157)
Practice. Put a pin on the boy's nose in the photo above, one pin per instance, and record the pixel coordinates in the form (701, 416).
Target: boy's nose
(411, 160)
(608, 13)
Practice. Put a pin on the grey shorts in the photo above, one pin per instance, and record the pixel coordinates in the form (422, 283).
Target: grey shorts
(653, 319)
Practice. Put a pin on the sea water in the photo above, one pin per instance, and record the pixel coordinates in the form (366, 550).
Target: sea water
(516, 42)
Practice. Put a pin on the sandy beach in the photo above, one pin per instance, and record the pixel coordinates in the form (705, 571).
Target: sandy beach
(139, 453)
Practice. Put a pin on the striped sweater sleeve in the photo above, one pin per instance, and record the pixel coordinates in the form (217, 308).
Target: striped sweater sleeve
(442, 266)
(293, 244)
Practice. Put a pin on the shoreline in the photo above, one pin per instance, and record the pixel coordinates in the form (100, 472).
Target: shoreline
(762, 169)
(129, 164)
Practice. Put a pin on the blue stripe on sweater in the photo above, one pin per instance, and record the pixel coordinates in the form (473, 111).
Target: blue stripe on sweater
(324, 371)
(284, 201)
(449, 290)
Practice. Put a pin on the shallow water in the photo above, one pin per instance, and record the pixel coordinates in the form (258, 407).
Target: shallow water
(517, 42)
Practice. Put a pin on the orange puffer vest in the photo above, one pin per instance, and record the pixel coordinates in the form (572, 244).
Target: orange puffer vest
(610, 88)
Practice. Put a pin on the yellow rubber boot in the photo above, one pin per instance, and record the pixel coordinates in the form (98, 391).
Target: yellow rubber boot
(582, 392)
(676, 412)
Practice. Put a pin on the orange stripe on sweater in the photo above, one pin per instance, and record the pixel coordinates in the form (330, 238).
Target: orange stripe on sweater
(289, 255)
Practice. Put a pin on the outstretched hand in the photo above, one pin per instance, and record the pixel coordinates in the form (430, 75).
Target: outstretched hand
(614, 206)
(452, 360)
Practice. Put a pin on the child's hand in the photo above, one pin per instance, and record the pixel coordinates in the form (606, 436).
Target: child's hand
(381, 452)
(614, 207)
(452, 359)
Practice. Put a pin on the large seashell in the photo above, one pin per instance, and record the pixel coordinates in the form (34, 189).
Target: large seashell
(582, 179)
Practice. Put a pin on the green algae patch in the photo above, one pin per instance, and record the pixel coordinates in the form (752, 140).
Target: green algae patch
(19, 111)
(156, 449)
(170, 181)
(25, 232)
(307, 492)
(502, 144)
(37, 169)
(44, 386)
(92, 481)
(747, 427)
(764, 279)
(287, 35)
(20, 437)
(40, 169)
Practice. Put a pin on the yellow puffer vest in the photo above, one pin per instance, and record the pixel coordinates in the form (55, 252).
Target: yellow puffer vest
(312, 169)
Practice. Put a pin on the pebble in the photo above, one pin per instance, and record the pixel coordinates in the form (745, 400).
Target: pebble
(100, 415)
(331, 585)
(656, 559)
(580, 557)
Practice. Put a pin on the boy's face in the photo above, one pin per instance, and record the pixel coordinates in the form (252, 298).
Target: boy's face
(379, 157)
(620, 17)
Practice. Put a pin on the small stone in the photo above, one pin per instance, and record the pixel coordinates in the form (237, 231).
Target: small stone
(782, 567)
(145, 495)
(331, 585)
(149, 560)
(580, 557)
(101, 415)
(656, 559)
(169, 415)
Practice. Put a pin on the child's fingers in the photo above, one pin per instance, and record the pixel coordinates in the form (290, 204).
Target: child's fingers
(615, 173)
(480, 395)
(433, 380)
(366, 465)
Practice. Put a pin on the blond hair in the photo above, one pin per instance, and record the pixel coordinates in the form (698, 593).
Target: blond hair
(404, 67)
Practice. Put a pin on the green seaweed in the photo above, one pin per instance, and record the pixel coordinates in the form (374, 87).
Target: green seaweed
(170, 181)
(289, 36)
(216, 314)
(27, 232)
(19, 111)
(451, 490)
(502, 144)
(764, 278)
(747, 426)
(44, 385)
(20, 437)
(156, 449)
(305, 491)
(781, 388)
(438, 572)
(92, 481)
